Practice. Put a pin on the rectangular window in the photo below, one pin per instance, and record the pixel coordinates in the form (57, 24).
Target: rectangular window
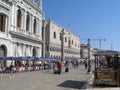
(2, 23)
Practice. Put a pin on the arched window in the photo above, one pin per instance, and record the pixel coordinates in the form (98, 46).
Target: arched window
(69, 42)
(2, 22)
(72, 42)
(27, 22)
(65, 39)
(19, 18)
(34, 26)
(3, 52)
(34, 52)
(54, 35)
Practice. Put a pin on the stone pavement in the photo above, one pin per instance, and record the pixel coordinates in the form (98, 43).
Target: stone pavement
(75, 79)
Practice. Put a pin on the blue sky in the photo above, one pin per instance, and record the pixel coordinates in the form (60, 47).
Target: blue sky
(94, 19)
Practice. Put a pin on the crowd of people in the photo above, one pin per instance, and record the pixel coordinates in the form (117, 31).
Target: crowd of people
(56, 66)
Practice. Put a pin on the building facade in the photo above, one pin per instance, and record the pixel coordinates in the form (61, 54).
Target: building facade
(21, 27)
(53, 42)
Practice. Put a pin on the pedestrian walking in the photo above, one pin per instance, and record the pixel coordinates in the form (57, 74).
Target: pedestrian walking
(48, 65)
(1, 71)
(74, 63)
(55, 71)
(85, 62)
(59, 66)
(66, 66)
(11, 70)
(77, 63)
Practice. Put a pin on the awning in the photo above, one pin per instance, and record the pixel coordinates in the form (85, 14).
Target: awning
(23, 58)
(51, 59)
(7, 58)
(2, 58)
(38, 58)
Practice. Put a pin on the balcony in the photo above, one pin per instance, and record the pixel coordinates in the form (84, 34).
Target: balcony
(22, 34)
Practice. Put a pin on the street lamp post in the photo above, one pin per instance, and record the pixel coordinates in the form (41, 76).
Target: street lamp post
(89, 65)
(62, 44)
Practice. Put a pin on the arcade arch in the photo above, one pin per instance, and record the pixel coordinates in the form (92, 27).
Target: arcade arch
(3, 52)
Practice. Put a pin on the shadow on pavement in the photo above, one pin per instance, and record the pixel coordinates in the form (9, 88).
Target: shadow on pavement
(72, 84)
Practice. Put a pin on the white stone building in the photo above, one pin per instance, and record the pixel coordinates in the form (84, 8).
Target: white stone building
(21, 27)
(53, 42)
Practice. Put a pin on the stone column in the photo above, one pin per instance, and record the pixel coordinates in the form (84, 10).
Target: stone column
(28, 50)
(17, 45)
(14, 14)
(20, 49)
(32, 50)
(14, 49)
(23, 18)
(7, 24)
(25, 50)
(37, 26)
(40, 28)
(38, 51)
(30, 23)
(43, 37)
(25, 13)
(24, 47)
(30, 47)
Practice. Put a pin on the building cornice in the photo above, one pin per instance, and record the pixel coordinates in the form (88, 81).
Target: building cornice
(35, 6)
(4, 6)
(66, 29)
(52, 21)
(25, 37)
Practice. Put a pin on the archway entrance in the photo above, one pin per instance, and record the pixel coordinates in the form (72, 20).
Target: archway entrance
(34, 54)
(3, 52)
